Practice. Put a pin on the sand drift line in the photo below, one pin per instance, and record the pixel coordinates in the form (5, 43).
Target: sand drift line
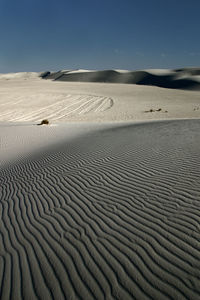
(30, 108)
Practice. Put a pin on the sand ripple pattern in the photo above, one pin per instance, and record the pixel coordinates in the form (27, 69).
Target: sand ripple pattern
(113, 215)
(58, 106)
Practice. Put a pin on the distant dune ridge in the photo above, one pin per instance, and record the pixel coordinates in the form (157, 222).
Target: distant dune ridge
(112, 214)
(186, 78)
(20, 75)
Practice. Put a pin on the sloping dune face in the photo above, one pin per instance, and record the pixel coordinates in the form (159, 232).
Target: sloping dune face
(187, 78)
(114, 214)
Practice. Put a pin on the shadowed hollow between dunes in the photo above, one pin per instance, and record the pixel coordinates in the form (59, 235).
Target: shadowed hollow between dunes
(114, 214)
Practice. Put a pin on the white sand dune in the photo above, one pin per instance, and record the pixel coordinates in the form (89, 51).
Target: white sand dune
(101, 203)
(173, 79)
(20, 75)
(34, 99)
(108, 213)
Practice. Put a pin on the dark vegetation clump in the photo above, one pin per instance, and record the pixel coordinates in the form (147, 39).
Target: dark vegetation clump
(44, 122)
(154, 110)
(45, 74)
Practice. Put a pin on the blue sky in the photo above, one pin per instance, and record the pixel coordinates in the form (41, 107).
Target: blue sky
(38, 35)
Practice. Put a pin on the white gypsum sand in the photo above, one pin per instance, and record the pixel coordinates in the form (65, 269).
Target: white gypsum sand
(93, 210)
(35, 99)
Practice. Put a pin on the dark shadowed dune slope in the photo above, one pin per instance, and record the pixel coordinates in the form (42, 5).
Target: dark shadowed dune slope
(114, 214)
(190, 71)
(177, 79)
(53, 75)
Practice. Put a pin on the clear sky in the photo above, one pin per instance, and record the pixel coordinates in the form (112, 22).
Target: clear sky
(38, 35)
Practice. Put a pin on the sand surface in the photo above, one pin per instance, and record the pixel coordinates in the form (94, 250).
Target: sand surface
(98, 210)
(32, 99)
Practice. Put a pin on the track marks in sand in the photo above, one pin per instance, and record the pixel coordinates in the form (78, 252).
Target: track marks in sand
(52, 106)
(113, 215)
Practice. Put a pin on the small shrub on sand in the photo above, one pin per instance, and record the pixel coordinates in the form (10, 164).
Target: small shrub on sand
(151, 110)
(44, 122)
(154, 110)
